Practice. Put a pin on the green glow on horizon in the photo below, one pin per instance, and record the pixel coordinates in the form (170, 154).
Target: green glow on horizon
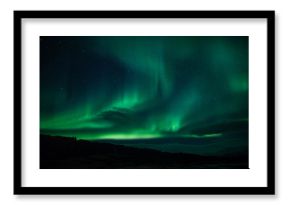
(213, 135)
(123, 136)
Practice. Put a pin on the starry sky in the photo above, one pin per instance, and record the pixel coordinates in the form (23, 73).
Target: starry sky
(140, 87)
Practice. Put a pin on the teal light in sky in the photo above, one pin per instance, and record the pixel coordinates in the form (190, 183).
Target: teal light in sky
(130, 87)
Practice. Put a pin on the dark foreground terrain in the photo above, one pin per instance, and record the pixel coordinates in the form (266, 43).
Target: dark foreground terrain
(69, 153)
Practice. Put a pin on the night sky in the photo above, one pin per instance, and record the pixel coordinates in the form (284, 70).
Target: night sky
(135, 87)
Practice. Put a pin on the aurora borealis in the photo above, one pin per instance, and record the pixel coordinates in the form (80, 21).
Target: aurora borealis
(140, 87)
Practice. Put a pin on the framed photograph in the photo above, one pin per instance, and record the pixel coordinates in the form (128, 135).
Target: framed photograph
(144, 102)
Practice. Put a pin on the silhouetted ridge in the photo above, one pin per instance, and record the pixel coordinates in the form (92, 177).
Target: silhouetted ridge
(70, 153)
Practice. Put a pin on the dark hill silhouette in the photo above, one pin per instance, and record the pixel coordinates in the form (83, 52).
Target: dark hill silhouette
(69, 153)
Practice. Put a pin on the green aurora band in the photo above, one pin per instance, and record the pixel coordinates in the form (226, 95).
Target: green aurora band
(128, 87)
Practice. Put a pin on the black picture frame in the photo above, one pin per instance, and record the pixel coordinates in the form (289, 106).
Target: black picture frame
(268, 15)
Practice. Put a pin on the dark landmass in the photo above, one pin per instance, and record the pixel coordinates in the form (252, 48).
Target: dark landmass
(69, 153)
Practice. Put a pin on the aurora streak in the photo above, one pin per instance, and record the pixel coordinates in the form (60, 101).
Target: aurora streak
(128, 87)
